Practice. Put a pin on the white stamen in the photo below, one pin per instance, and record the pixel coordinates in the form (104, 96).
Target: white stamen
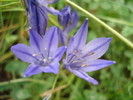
(45, 48)
(49, 57)
(34, 55)
(84, 65)
(91, 53)
(44, 60)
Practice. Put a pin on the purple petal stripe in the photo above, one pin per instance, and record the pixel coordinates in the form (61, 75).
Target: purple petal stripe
(23, 52)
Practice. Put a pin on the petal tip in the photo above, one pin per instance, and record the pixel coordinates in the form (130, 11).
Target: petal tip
(95, 82)
(87, 19)
(29, 28)
(24, 76)
(114, 62)
(109, 39)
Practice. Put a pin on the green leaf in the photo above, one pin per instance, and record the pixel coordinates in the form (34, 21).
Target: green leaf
(127, 31)
(20, 94)
(17, 66)
(12, 9)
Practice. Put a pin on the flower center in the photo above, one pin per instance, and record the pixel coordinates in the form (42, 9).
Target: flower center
(42, 59)
(75, 60)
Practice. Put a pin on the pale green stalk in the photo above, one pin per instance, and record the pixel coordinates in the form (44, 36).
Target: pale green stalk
(129, 43)
(55, 82)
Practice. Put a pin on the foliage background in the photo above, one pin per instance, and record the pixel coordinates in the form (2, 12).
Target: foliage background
(115, 81)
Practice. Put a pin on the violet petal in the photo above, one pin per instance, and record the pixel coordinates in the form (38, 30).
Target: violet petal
(96, 48)
(51, 40)
(53, 67)
(85, 76)
(36, 41)
(59, 53)
(33, 69)
(23, 52)
(81, 36)
(96, 65)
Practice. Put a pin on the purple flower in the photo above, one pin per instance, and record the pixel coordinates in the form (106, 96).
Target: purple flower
(42, 53)
(82, 57)
(37, 16)
(68, 20)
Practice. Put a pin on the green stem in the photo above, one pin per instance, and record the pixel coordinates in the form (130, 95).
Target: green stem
(55, 82)
(129, 43)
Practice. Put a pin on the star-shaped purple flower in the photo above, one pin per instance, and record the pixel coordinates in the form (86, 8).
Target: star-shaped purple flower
(43, 53)
(68, 20)
(82, 57)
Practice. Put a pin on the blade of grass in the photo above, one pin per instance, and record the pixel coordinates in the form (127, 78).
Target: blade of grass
(9, 4)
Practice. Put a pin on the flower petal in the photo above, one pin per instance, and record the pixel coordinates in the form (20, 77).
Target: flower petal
(85, 76)
(66, 16)
(23, 52)
(81, 35)
(59, 53)
(96, 48)
(53, 11)
(51, 40)
(70, 47)
(63, 38)
(52, 68)
(47, 2)
(74, 21)
(37, 16)
(66, 65)
(36, 41)
(96, 65)
(33, 69)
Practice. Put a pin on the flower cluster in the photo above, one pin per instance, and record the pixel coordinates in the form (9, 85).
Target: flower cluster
(44, 55)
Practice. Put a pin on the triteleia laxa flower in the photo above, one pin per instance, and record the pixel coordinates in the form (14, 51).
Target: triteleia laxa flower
(82, 57)
(43, 53)
(68, 20)
(37, 16)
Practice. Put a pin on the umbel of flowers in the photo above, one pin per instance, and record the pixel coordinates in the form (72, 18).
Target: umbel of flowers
(44, 55)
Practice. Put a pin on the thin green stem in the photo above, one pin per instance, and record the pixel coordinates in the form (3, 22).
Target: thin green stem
(49, 95)
(129, 43)
(55, 82)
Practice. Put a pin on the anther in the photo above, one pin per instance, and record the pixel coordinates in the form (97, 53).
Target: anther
(44, 60)
(75, 61)
(75, 51)
(91, 53)
(34, 55)
(45, 48)
(78, 55)
(83, 65)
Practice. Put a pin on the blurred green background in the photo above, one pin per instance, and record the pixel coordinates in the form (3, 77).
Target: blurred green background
(115, 81)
